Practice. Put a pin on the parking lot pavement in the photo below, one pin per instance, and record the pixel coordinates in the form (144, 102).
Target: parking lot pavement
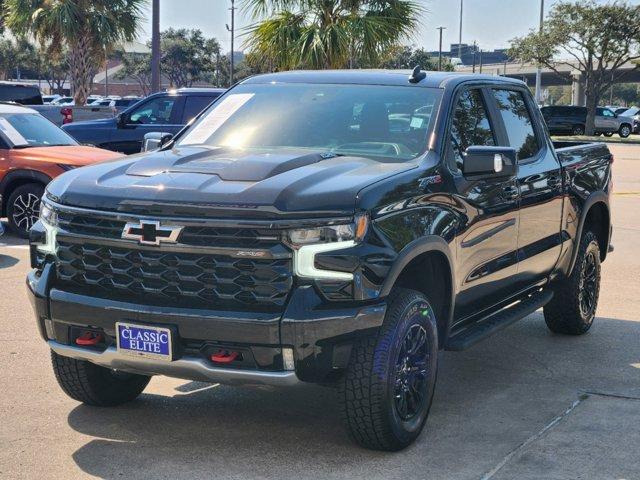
(525, 404)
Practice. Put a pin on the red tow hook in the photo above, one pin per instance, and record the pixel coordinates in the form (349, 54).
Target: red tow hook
(224, 357)
(88, 339)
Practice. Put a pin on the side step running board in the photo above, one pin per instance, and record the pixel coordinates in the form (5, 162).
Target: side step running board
(502, 319)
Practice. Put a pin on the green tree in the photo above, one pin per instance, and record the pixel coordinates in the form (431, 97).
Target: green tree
(138, 67)
(595, 39)
(406, 57)
(187, 56)
(328, 33)
(17, 57)
(625, 93)
(87, 28)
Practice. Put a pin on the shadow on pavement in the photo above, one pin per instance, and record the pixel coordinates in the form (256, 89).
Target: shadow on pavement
(7, 261)
(489, 400)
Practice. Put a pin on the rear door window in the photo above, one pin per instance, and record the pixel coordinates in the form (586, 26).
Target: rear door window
(193, 105)
(517, 121)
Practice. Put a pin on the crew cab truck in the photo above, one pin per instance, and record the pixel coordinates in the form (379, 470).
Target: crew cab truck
(334, 227)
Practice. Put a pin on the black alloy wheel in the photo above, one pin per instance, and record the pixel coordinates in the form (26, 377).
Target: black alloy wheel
(588, 284)
(411, 373)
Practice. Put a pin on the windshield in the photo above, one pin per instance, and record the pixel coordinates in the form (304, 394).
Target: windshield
(385, 123)
(32, 130)
(630, 112)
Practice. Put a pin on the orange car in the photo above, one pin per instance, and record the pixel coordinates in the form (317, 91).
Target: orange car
(33, 151)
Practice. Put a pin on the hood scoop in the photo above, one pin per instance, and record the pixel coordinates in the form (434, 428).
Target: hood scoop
(228, 164)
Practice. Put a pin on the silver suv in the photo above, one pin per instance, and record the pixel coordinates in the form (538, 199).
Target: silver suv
(608, 122)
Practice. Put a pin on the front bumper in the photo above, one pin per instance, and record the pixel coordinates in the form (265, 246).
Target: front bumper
(320, 337)
(189, 368)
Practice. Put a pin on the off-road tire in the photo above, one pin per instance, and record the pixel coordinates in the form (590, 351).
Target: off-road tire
(566, 313)
(95, 385)
(23, 208)
(368, 392)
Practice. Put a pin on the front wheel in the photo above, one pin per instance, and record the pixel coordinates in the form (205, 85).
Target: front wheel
(23, 208)
(624, 131)
(95, 385)
(574, 304)
(388, 388)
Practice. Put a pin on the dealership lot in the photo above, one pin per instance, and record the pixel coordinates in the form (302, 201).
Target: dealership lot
(524, 404)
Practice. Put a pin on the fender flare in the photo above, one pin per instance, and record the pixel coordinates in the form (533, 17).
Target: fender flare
(592, 199)
(20, 174)
(426, 244)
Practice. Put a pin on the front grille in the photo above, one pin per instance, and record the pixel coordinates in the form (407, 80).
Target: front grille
(190, 280)
(199, 236)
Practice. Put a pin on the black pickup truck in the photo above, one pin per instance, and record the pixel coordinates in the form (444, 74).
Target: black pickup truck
(328, 227)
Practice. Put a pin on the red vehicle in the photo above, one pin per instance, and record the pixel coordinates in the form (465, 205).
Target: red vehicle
(33, 151)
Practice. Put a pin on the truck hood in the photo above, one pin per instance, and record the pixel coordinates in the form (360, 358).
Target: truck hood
(201, 181)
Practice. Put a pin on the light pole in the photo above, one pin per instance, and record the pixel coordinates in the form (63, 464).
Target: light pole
(232, 31)
(538, 69)
(460, 32)
(155, 47)
(440, 49)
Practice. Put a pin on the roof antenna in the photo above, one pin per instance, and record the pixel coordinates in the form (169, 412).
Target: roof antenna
(418, 75)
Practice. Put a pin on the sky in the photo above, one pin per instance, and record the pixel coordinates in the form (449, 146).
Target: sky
(491, 23)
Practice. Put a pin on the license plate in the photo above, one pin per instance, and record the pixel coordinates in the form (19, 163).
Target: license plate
(144, 341)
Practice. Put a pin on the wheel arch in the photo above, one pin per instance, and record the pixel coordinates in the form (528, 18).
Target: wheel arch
(17, 178)
(417, 266)
(596, 216)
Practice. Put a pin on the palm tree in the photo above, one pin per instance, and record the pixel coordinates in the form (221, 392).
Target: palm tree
(328, 33)
(87, 28)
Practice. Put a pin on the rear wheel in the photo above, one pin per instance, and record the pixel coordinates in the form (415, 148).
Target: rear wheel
(574, 304)
(577, 130)
(389, 384)
(23, 208)
(95, 385)
(625, 130)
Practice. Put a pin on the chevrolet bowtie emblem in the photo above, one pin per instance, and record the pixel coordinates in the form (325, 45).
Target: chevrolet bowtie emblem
(150, 232)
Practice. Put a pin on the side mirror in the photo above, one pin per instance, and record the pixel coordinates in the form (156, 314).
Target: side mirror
(489, 162)
(155, 140)
(121, 120)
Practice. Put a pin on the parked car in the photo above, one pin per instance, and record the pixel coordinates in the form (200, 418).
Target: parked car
(32, 152)
(168, 111)
(22, 93)
(634, 114)
(47, 99)
(63, 101)
(332, 227)
(570, 120)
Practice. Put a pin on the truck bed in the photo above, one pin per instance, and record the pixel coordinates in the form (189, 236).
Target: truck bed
(570, 153)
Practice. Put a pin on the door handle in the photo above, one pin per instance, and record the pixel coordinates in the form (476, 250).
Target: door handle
(554, 181)
(510, 193)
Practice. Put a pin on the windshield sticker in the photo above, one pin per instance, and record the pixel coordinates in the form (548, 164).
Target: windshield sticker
(416, 122)
(214, 120)
(12, 134)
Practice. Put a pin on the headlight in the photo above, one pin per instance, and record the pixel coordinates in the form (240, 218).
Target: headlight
(49, 219)
(47, 214)
(309, 242)
(331, 234)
